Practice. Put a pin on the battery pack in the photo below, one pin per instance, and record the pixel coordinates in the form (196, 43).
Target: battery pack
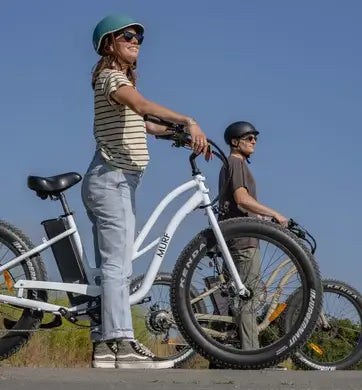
(70, 266)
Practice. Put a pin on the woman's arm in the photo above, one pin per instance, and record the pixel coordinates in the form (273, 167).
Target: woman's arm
(136, 102)
(154, 129)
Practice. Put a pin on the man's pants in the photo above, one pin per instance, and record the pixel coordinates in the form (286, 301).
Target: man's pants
(247, 262)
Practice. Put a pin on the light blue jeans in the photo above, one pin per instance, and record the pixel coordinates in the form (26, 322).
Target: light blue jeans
(109, 197)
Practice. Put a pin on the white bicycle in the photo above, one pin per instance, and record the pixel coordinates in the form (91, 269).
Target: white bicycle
(24, 286)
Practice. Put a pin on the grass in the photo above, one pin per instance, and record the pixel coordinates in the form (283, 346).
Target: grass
(65, 346)
(70, 346)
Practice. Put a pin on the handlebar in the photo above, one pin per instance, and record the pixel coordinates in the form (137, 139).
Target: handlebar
(181, 138)
(302, 233)
(158, 121)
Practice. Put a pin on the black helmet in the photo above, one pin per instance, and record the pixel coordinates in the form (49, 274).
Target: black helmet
(239, 129)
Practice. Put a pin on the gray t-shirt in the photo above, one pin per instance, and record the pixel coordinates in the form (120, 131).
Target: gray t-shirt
(238, 175)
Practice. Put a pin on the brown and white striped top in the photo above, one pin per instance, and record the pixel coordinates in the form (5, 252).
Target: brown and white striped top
(120, 133)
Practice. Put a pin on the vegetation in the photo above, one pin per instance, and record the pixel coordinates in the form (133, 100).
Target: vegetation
(336, 344)
(70, 345)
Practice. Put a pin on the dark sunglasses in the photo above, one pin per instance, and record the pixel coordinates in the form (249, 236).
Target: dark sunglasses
(128, 36)
(250, 138)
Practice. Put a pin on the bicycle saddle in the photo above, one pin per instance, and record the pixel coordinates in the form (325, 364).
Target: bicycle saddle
(53, 185)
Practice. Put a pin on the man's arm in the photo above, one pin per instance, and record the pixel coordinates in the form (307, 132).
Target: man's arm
(247, 202)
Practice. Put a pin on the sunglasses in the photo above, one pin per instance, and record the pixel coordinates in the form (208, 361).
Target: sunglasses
(128, 36)
(250, 138)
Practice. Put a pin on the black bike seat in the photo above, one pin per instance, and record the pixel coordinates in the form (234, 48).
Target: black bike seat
(53, 185)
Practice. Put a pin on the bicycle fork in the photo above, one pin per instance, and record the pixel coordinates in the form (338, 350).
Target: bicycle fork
(242, 291)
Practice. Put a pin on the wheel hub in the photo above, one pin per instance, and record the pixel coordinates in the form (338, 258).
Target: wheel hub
(158, 321)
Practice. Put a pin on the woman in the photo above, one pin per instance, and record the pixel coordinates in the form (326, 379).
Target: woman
(110, 183)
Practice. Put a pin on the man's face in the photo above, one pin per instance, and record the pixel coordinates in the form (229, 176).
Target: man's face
(246, 144)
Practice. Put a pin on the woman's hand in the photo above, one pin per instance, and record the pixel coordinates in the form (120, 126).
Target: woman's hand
(199, 141)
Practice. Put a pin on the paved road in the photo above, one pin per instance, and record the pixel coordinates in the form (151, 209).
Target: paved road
(111, 379)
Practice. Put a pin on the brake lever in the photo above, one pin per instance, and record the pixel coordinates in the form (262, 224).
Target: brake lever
(295, 228)
(209, 154)
(302, 233)
(181, 139)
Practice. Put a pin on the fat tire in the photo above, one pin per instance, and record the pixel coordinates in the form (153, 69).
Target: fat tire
(305, 362)
(34, 269)
(220, 355)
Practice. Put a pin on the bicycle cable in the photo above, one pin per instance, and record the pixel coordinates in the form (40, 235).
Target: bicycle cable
(181, 138)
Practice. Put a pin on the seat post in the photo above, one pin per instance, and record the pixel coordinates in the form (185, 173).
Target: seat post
(64, 203)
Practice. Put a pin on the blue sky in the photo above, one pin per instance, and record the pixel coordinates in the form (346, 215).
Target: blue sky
(293, 69)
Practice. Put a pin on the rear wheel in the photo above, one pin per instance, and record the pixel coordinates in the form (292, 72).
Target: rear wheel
(153, 321)
(336, 343)
(16, 323)
(221, 334)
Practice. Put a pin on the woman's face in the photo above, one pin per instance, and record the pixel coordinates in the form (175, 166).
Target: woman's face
(128, 45)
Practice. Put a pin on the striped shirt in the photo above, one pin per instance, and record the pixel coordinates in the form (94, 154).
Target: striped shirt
(120, 133)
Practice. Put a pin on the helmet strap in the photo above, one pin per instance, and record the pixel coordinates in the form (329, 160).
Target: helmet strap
(247, 158)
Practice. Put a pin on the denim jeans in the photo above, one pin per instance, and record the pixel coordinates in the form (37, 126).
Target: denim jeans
(109, 197)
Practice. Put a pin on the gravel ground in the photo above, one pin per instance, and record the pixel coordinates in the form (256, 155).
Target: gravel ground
(86, 379)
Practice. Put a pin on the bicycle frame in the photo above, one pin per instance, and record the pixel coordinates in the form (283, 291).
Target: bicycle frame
(199, 198)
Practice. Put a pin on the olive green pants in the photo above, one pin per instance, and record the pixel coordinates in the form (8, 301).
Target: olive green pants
(247, 262)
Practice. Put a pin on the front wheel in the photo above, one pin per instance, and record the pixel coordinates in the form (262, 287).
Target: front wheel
(237, 333)
(16, 323)
(336, 343)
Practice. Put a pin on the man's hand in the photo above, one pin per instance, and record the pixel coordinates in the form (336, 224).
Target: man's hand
(281, 219)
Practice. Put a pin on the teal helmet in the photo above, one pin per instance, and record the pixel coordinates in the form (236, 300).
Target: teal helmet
(113, 23)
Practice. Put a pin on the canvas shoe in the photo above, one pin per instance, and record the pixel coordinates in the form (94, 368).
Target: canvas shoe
(133, 354)
(104, 355)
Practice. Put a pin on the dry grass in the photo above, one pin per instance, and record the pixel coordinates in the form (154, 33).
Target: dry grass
(63, 347)
(70, 346)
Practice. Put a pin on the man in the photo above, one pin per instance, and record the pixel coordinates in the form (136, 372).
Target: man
(238, 199)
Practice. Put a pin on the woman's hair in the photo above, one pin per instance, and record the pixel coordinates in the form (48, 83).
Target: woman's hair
(112, 60)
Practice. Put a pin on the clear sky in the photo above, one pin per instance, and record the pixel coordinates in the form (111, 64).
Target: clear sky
(293, 69)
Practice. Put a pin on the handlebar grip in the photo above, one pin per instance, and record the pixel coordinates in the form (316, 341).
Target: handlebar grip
(153, 119)
(168, 136)
(158, 121)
